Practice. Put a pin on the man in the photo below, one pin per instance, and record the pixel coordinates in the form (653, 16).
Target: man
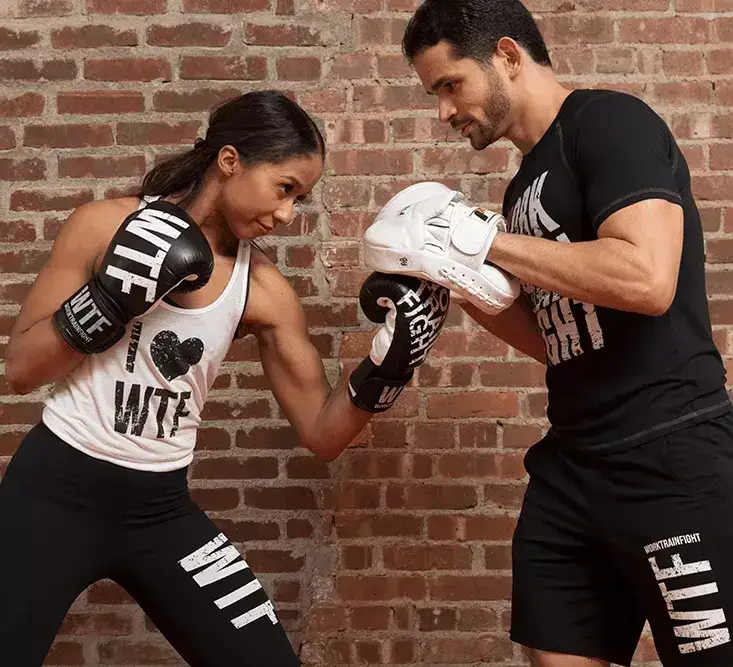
(623, 518)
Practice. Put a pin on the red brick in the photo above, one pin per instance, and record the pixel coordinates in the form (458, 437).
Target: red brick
(65, 654)
(283, 35)
(352, 557)
(101, 167)
(127, 69)
(394, 66)
(473, 404)
(29, 70)
(201, 99)
(237, 408)
(17, 39)
(695, 6)
(326, 101)
(33, 8)
(356, 131)
(285, 7)
(373, 465)
(135, 7)
(299, 69)
(130, 652)
(455, 160)
(352, 66)
(432, 619)
(299, 528)
(100, 102)
(478, 587)
(248, 531)
(284, 497)
(380, 525)
(681, 92)
(720, 61)
(105, 623)
(249, 68)
(146, 134)
(336, 315)
(458, 650)
(327, 619)
(364, 162)
(723, 29)
(341, 193)
(427, 557)
(379, 30)
(23, 261)
(391, 98)
(352, 496)
(7, 138)
(365, 588)
(435, 496)
(217, 500)
(267, 438)
(56, 199)
(17, 413)
(68, 136)
(622, 5)
(712, 188)
(189, 34)
(672, 30)
(22, 105)
(29, 169)
(10, 441)
(225, 6)
(561, 30)
(575, 60)
(92, 37)
(17, 231)
(683, 63)
(307, 467)
(370, 618)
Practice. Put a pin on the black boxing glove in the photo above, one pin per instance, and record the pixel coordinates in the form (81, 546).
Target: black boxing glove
(156, 250)
(413, 312)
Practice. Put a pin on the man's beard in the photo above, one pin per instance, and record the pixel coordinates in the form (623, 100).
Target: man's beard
(495, 111)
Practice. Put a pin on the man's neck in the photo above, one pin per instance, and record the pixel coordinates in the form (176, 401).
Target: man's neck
(536, 110)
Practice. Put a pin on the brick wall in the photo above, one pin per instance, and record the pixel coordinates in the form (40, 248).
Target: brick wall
(398, 553)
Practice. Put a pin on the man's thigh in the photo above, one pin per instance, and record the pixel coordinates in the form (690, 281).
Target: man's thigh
(568, 596)
(668, 516)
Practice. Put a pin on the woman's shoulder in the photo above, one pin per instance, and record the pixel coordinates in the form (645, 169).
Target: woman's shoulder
(272, 298)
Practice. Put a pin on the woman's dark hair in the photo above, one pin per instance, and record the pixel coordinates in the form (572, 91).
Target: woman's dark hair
(474, 28)
(264, 126)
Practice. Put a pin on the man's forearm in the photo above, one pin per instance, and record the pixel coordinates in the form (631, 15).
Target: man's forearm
(516, 326)
(605, 272)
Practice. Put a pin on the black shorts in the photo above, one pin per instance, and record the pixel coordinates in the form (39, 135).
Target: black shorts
(604, 543)
(68, 520)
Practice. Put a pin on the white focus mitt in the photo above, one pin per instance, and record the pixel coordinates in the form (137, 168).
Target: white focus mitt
(427, 230)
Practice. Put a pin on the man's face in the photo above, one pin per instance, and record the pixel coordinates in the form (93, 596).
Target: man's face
(471, 96)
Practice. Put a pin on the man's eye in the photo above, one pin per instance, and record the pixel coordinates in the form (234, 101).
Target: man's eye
(451, 86)
(287, 188)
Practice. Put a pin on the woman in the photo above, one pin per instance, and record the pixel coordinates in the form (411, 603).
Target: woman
(131, 317)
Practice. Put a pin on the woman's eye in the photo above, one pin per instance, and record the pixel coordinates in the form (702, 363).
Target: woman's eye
(287, 188)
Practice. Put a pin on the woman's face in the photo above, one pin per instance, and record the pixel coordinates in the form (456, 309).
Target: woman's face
(255, 199)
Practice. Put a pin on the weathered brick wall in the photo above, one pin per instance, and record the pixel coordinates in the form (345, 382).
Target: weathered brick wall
(398, 553)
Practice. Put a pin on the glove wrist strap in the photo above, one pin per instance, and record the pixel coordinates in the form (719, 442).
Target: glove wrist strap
(371, 390)
(86, 322)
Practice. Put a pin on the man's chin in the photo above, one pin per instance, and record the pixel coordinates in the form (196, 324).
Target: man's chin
(480, 143)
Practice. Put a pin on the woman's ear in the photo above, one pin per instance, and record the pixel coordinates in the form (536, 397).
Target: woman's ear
(228, 160)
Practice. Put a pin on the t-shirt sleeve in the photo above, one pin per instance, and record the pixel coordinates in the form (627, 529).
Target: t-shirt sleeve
(623, 153)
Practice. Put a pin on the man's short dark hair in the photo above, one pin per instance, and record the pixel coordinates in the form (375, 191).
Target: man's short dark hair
(474, 28)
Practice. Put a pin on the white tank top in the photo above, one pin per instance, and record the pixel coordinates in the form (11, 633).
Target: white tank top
(139, 404)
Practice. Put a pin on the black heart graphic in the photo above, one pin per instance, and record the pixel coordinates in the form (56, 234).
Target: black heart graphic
(172, 357)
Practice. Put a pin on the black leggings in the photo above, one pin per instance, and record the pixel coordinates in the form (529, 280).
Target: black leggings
(68, 520)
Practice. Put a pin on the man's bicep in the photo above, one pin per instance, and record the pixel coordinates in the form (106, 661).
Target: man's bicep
(624, 154)
(656, 228)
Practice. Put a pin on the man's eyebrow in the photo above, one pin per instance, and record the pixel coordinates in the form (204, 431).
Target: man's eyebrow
(439, 83)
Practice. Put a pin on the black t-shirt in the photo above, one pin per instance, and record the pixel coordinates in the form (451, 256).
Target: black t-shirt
(616, 378)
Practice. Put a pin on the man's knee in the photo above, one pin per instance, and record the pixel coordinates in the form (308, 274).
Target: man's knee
(539, 658)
